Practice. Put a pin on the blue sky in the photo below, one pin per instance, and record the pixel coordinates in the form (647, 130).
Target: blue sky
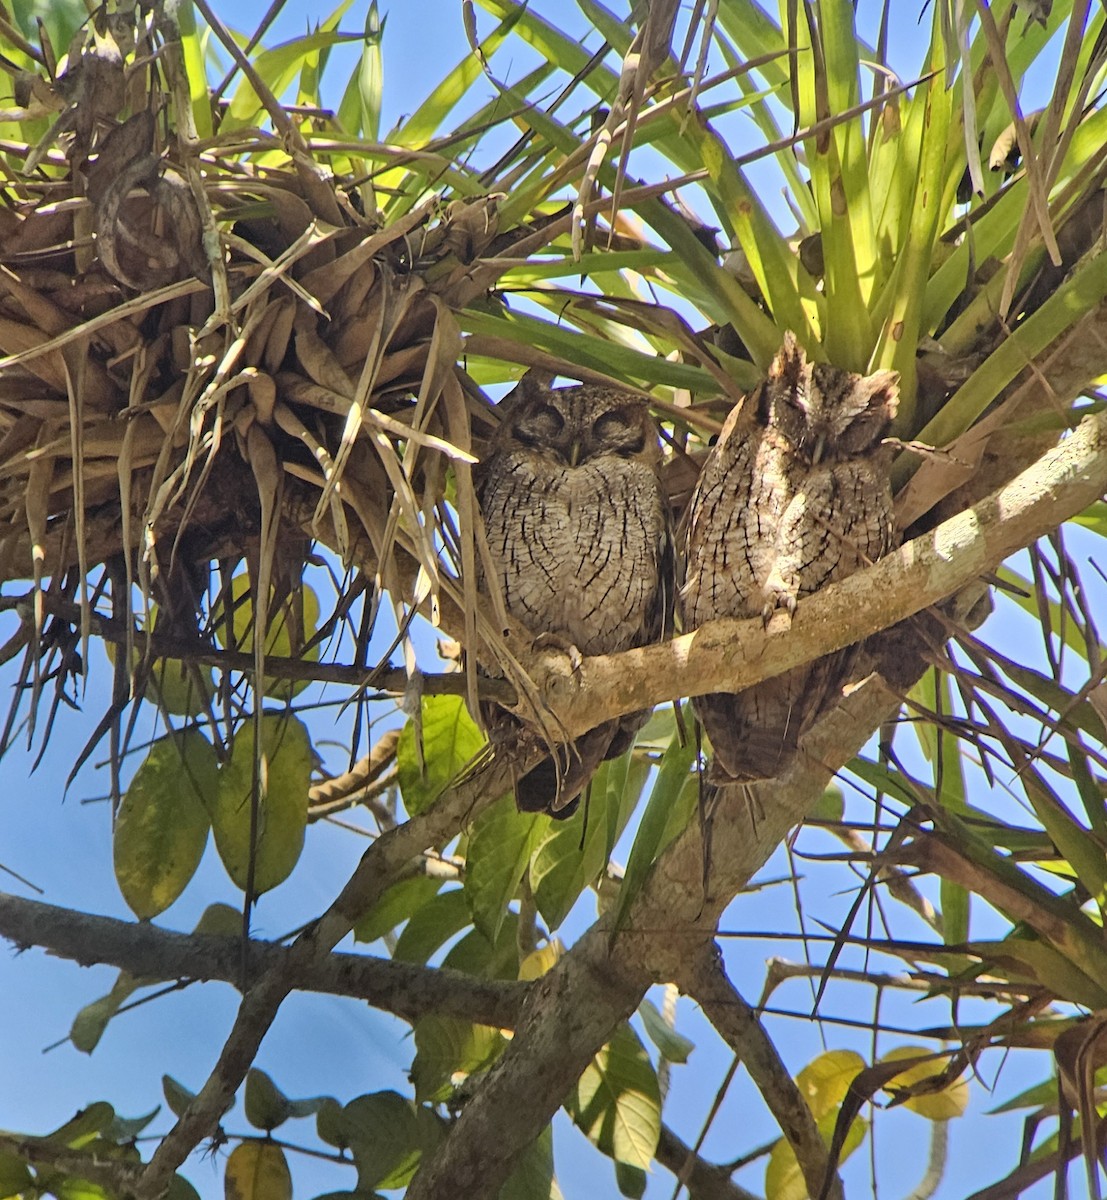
(324, 1045)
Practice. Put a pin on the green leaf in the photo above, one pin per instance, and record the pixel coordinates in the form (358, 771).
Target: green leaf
(266, 1105)
(631, 1181)
(277, 68)
(388, 1135)
(292, 628)
(89, 1024)
(162, 826)
(177, 1096)
(951, 1101)
(84, 1127)
(282, 801)
(257, 1171)
(617, 1102)
(573, 854)
(15, 1175)
(447, 1051)
(671, 805)
(430, 926)
(398, 904)
(533, 1177)
(370, 76)
(673, 1046)
(450, 741)
(825, 1080)
(501, 842)
(124, 1129)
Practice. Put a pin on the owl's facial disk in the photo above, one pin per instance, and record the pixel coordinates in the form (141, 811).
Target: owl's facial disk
(574, 437)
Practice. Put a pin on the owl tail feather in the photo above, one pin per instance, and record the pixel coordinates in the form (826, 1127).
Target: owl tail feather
(554, 786)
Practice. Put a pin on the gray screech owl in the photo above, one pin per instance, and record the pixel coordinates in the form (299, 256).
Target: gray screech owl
(795, 495)
(579, 528)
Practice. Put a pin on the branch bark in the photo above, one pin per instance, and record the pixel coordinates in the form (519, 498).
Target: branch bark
(148, 952)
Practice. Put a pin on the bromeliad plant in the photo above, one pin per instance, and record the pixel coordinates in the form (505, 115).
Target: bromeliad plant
(241, 324)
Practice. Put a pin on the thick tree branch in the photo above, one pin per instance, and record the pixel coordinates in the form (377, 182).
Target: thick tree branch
(147, 952)
(704, 1180)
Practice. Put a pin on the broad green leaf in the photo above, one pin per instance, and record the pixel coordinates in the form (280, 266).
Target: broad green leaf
(539, 961)
(572, 854)
(501, 842)
(282, 800)
(617, 1102)
(951, 1101)
(84, 1127)
(257, 1171)
(670, 807)
(387, 1135)
(15, 1175)
(476, 955)
(533, 1177)
(291, 628)
(221, 920)
(673, 1046)
(266, 1106)
(447, 1051)
(398, 904)
(176, 1095)
(630, 1180)
(125, 1129)
(89, 1024)
(438, 920)
(162, 826)
(451, 740)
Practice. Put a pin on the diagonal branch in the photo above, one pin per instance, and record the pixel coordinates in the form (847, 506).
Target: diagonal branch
(706, 982)
(153, 954)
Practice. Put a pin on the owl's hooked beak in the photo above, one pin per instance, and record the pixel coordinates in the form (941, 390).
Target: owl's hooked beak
(819, 450)
(575, 450)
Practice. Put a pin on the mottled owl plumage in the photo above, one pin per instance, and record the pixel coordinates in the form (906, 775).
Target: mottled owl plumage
(578, 526)
(795, 495)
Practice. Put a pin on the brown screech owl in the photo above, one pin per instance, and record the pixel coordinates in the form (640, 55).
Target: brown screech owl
(795, 495)
(579, 528)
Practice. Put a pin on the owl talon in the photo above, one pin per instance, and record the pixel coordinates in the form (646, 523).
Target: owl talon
(554, 641)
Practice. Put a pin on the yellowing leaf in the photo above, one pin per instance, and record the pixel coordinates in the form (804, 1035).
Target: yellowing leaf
(538, 962)
(257, 1171)
(291, 627)
(823, 1083)
(951, 1101)
(282, 802)
(162, 826)
(783, 1178)
(451, 740)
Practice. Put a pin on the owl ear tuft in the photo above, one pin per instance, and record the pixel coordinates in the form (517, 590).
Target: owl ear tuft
(789, 359)
(883, 393)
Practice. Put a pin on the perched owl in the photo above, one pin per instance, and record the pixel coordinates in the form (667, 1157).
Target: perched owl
(795, 495)
(579, 529)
